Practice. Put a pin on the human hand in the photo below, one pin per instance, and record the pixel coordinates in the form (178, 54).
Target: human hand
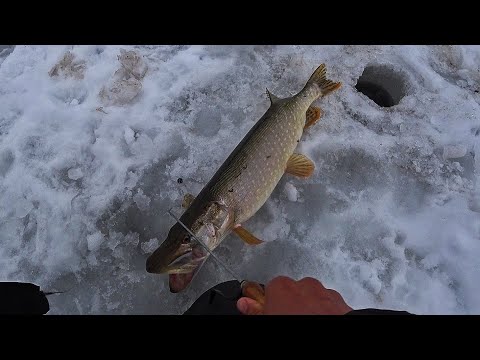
(285, 296)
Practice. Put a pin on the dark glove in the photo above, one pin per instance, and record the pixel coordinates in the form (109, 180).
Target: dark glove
(22, 299)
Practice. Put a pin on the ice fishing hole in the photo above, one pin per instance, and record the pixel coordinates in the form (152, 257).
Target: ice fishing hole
(382, 84)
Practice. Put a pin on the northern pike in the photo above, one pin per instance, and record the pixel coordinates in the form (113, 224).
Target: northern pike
(243, 183)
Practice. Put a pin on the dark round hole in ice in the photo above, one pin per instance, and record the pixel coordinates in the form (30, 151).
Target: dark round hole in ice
(375, 92)
(382, 84)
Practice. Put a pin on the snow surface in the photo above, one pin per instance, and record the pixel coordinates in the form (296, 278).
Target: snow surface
(390, 217)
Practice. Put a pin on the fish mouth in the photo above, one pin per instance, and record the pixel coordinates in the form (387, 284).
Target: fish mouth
(182, 270)
(181, 264)
(187, 262)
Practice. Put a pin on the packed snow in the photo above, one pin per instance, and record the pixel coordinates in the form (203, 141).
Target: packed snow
(94, 140)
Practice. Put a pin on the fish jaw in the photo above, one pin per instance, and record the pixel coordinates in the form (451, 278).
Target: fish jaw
(216, 225)
(181, 265)
(183, 260)
(182, 271)
(178, 280)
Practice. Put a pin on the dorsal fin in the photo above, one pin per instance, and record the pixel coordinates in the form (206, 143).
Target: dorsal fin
(273, 98)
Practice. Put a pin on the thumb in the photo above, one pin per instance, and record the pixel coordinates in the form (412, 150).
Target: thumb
(249, 306)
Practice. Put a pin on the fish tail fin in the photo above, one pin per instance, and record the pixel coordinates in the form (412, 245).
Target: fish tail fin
(319, 77)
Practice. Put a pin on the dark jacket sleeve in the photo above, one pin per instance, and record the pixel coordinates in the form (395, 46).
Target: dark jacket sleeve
(377, 312)
(18, 298)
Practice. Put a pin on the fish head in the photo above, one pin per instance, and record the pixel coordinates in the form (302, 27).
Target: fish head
(179, 256)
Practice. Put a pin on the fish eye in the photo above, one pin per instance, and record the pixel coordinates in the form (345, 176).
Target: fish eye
(186, 239)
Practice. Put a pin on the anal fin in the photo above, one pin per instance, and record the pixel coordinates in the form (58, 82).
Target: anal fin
(313, 115)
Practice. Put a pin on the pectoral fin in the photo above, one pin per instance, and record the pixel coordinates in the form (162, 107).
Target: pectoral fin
(313, 115)
(299, 165)
(187, 200)
(246, 235)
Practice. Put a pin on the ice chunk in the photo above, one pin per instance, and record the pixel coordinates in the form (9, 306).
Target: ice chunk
(149, 246)
(129, 135)
(94, 241)
(142, 201)
(92, 260)
(292, 192)
(132, 238)
(454, 151)
(75, 173)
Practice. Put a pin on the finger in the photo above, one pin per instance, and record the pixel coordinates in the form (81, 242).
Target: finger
(336, 297)
(281, 280)
(311, 287)
(249, 306)
(279, 285)
(281, 295)
(311, 283)
(254, 291)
